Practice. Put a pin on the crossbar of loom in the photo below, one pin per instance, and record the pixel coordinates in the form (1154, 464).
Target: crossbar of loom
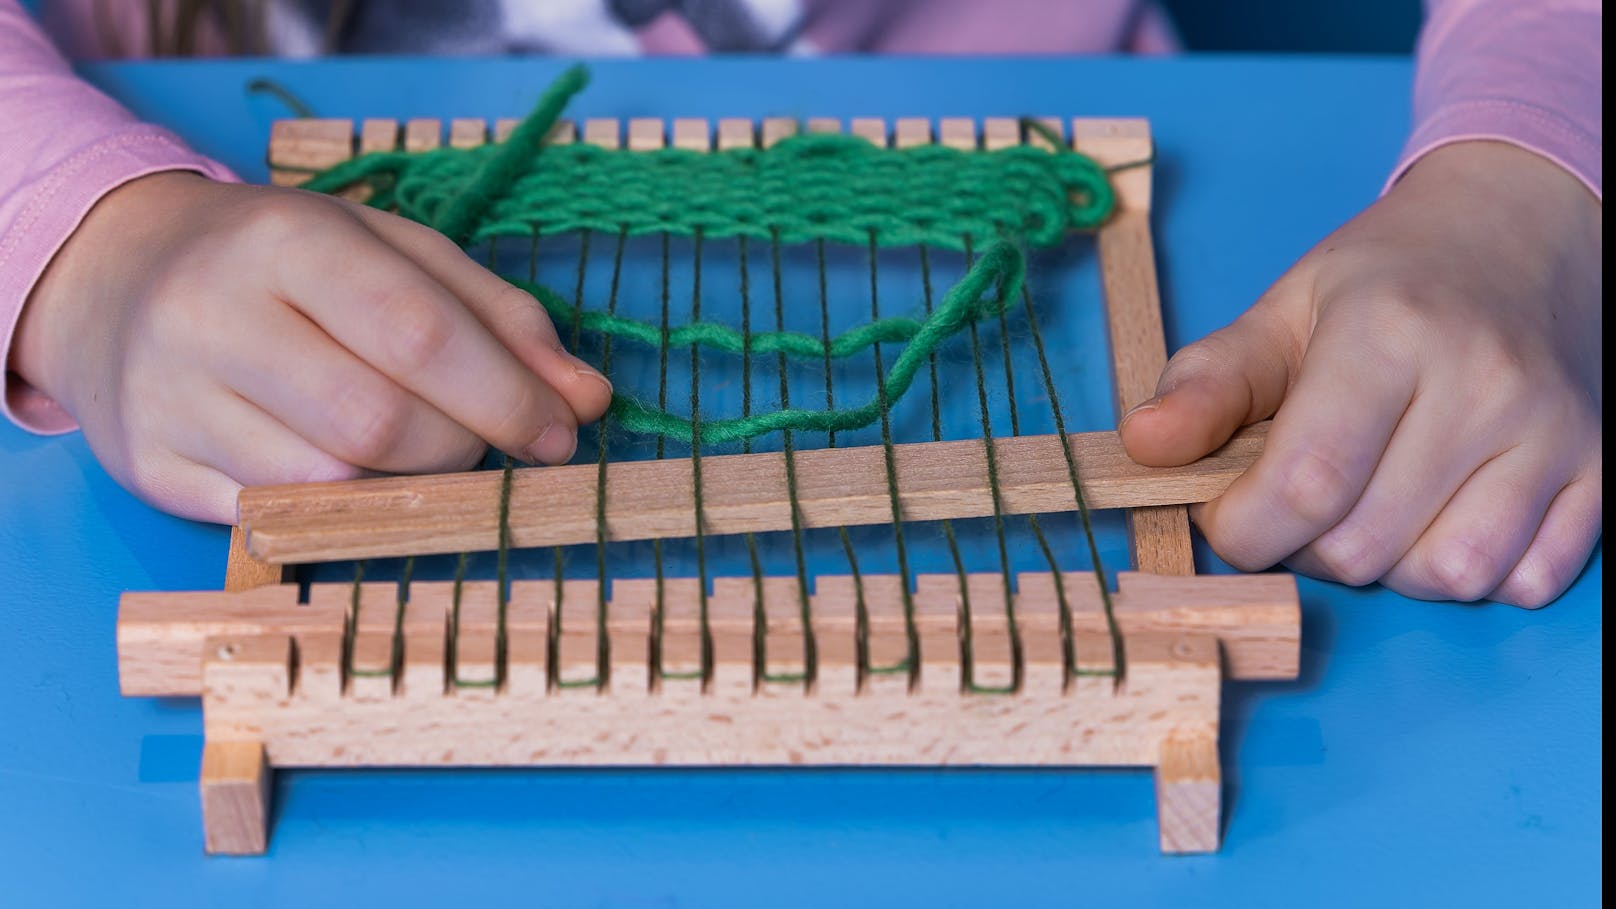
(747, 493)
(1256, 618)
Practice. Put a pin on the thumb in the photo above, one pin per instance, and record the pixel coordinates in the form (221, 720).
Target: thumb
(1233, 377)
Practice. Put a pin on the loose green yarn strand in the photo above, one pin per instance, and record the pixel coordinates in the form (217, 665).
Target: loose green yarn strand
(993, 279)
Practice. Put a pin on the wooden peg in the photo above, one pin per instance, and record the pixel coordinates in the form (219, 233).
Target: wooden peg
(565, 132)
(785, 638)
(577, 640)
(778, 128)
(467, 132)
(1189, 792)
(992, 658)
(937, 615)
(736, 132)
(957, 132)
(1043, 660)
(378, 135)
(1000, 132)
(476, 641)
(375, 631)
(888, 636)
(909, 132)
(236, 785)
(872, 129)
(426, 643)
(299, 148)
(527, 639)
(644, 134)
(692, 134)
(604, 132)
(422, 134)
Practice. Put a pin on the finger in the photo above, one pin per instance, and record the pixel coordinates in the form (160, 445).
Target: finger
(182, 488)
(1321, 452)
(1561, 548)
(1427, 461)
(514, 317)
(380, 305)
(320, 391)
(244, 443)
(209, 495)
(1473, 539)
(1234, 376)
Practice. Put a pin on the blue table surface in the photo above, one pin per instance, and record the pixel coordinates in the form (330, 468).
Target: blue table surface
(1430, 753)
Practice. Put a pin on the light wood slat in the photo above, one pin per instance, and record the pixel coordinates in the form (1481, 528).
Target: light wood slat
(1172, 689)
(1160, 535)
(162, 636)
(397, 516)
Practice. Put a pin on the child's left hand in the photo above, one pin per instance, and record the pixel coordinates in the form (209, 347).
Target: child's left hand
(1433, 369)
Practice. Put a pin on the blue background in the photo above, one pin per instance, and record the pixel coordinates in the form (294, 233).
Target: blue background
(1429, 753)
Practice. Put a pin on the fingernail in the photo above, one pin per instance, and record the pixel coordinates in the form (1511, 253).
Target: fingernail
(584, 371)
(1142, 407)
(555, 445)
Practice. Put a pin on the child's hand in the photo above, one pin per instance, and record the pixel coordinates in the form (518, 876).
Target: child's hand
(208, 335)
(1433, 369)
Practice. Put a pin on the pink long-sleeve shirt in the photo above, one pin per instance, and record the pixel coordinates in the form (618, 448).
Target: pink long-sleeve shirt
(1521, 71)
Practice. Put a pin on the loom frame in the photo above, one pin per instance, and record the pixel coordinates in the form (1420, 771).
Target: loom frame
(277, 682)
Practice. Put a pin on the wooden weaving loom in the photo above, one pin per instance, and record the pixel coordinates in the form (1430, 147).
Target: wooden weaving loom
(341, 680)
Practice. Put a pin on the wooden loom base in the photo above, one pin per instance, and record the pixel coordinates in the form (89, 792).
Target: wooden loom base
(264, 696)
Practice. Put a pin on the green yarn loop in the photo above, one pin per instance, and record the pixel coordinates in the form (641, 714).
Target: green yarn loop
(816, 187)
(994, 280)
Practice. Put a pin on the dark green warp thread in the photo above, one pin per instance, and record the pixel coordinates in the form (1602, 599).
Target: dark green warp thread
(990, 281)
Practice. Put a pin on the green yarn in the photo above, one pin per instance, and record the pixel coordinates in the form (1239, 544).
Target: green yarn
(816, 186)
(992, 280)
(820, 187)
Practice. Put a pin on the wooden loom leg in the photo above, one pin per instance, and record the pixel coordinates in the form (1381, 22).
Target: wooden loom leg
(1189, 792)
(235, 798)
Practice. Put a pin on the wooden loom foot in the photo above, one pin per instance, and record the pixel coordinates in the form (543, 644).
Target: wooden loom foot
(1189, 792)
(235, 798)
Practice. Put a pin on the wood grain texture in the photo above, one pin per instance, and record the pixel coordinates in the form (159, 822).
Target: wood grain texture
(1160, 535)
(447, 513)
(1189, 792)
(295, 705)
(243, 572)
(235, 784)
(1256, 619)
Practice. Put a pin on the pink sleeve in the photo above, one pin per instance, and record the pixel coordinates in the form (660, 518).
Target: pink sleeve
(1528, 72)
(64, 146)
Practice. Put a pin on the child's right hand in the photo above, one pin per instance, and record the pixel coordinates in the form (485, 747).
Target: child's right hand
(208, 336)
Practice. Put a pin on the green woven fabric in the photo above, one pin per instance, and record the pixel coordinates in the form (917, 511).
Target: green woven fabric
(814, 187)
